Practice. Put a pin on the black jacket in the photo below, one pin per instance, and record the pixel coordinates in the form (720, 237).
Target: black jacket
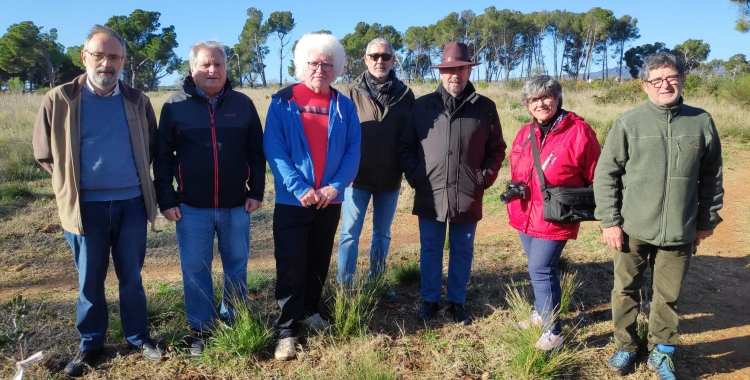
(379, 166)
(216, 156)
(450, 159)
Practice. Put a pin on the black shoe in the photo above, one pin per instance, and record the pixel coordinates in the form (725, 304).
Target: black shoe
(460, 314)
(196, 342)
(428, 310)
(149, 350)
(83, 358)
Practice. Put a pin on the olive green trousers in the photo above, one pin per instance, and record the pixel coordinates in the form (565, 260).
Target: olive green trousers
(668, 268)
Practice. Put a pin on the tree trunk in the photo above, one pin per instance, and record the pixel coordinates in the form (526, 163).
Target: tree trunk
(260, 62)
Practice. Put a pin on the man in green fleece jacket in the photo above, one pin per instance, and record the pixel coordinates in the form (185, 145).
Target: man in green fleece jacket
(658, 187)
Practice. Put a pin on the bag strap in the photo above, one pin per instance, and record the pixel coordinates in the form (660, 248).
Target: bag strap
(537, 162)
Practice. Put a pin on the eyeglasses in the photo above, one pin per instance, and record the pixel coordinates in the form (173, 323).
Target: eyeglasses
(99, 57)
(326, 67)
(540, 99)
(375, 56)
(658, 82)
(453, 70)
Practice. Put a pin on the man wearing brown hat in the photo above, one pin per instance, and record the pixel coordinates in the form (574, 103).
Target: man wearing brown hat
(451, 151)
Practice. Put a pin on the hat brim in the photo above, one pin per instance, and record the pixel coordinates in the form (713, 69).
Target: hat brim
(455, 64)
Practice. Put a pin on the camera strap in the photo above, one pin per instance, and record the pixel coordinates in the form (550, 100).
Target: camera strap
(537, 162)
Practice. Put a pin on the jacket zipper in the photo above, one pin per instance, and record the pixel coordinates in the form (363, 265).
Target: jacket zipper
(216, 156)
(179, 174)
(665, 204)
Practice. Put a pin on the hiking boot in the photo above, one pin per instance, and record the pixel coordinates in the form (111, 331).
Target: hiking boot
(316, 322)
(285, 349)
(621, 362)
(149, 350)
(83, 358)
(460, 314)
(660, 361)
(549, 341)
(428, 310)
(534, 320)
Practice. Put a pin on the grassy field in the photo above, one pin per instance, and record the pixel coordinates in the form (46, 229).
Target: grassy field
(373, 336)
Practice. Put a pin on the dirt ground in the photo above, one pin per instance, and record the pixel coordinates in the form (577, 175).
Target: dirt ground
(714, 305)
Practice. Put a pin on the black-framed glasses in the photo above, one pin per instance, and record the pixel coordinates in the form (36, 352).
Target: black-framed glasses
(385, 56)
(100, 57)
(658, 82)
(326, 67)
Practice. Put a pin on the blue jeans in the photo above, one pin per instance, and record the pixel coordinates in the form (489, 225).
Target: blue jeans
(119, 227)
(195, 237)
(353, 217)
(543, 256)
(432, 240)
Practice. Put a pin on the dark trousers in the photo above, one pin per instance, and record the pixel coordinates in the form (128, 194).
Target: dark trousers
(303, 239)
(669, 266)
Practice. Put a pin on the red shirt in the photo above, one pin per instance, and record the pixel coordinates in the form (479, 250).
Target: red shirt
(313, 110)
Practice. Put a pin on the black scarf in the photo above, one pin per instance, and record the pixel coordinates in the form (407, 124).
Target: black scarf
(380, 92)
(452, 103)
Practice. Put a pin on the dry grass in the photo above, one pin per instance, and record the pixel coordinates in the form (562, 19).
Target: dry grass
(392, 346)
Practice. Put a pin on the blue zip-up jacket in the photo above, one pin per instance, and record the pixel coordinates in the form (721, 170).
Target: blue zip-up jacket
(288, 153)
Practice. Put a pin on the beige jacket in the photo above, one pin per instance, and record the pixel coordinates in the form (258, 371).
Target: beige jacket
(56, 144)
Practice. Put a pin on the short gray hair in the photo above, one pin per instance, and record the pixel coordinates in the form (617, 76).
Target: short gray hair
(659, 60)
(541, 85)
(206, 45)
(379, 41)
(101, 29)
(321, 43)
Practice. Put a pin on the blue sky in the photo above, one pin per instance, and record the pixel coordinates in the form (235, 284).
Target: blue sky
(671, 22)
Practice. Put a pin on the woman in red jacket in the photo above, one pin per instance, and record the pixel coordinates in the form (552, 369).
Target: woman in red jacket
(568, 151)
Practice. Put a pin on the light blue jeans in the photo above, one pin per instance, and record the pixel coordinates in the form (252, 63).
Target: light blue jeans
(353, 214)
(195, 237)
(543, 256)
(432, 239)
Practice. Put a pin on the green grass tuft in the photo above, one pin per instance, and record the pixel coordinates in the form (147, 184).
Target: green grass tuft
(406, 274)
(352, 306)
(249, 334)
(569, 284)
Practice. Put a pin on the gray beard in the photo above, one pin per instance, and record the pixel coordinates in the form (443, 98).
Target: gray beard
(102, 81)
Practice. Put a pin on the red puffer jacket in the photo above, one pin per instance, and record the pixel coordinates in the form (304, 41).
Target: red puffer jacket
(568, 156)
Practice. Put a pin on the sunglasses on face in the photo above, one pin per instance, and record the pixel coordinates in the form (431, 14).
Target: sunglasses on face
(386, 57)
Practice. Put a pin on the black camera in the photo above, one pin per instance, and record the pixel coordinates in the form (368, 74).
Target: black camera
(515, 190)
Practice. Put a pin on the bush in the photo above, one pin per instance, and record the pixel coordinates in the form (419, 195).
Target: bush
(13, 190)
(693, 83)
(625, 92)
(736, 91)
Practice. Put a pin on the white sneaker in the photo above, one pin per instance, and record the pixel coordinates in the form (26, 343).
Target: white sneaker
(534, 320)
(285, 349)
(549, 342)
(316, 322)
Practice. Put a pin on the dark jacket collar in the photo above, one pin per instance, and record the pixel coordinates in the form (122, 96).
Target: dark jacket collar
(360, 84)
(74, 88)
(188, 85)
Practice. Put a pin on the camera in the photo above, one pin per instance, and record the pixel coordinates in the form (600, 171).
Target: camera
(515, 190)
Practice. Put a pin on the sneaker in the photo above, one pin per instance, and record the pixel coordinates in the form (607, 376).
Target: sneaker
(660, 361)
(460, 314)
(316, 322)
(197, 342)
(83, 358)
(621, 361)
(534, 320)
(549, 342)
(285, 349)
(149, 350)
(428, 310)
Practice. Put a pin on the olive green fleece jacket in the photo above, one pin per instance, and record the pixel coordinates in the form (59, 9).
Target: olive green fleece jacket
(56, 141)
(660, 174)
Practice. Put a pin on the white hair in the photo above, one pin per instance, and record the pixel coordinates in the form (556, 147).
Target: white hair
(318, 43)
(206, 45)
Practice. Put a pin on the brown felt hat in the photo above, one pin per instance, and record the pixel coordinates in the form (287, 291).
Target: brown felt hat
(455, 54)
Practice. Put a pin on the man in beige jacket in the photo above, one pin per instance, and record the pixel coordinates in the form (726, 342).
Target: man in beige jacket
(95, 136)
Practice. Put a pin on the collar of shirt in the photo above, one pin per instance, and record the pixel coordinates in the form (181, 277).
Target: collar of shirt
(203, 94)
(90, 87)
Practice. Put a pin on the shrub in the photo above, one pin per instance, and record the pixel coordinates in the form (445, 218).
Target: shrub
(625, 92)
(693, 83)
(736, 91)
